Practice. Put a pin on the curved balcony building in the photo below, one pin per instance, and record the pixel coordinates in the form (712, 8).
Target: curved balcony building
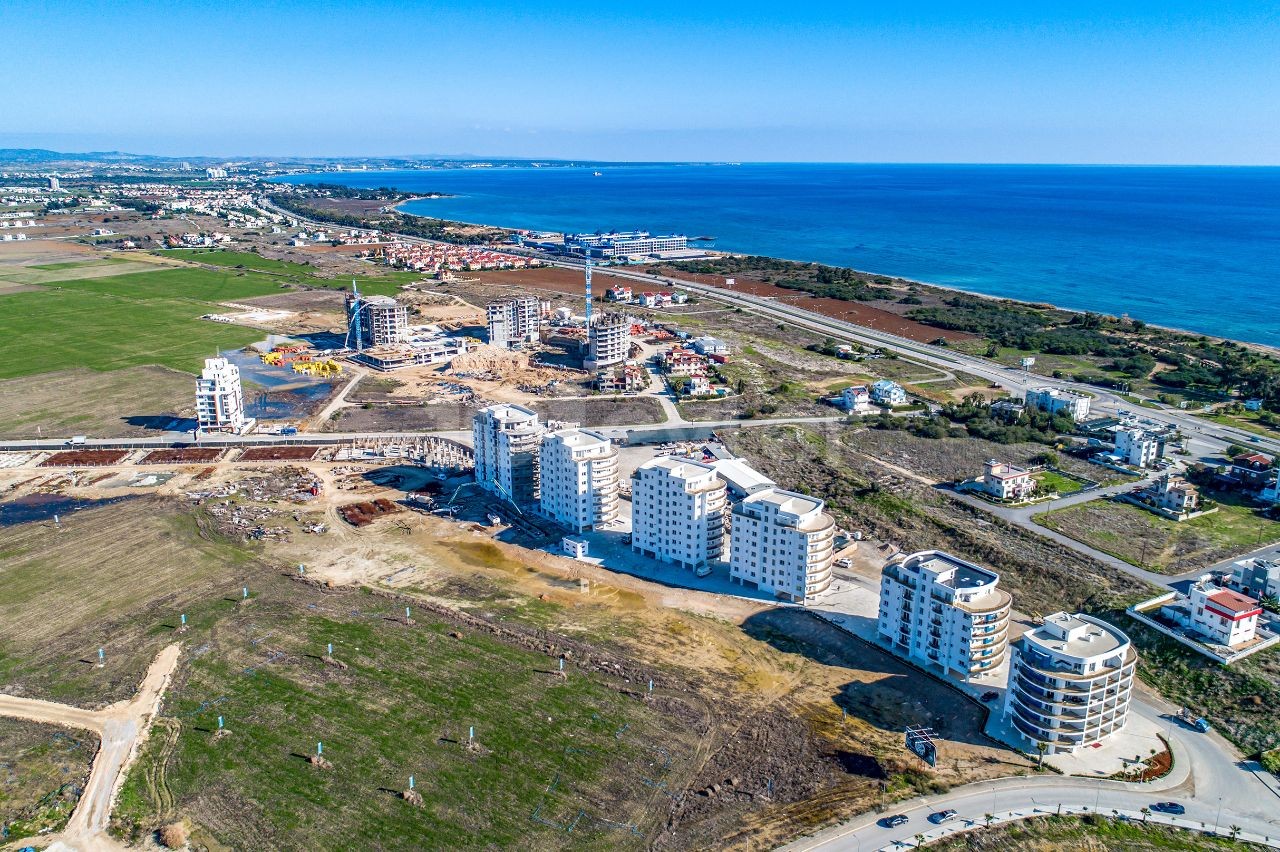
(938, 609)
(782, 542)
(1070, 682)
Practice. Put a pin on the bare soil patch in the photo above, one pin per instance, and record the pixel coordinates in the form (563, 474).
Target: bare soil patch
(289, 453)
(84, 458)
(183, 455)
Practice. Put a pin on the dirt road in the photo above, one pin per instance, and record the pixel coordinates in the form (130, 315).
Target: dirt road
(122, 728)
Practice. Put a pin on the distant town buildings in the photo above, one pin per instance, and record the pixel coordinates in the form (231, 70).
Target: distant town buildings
(942, 610)
(782, 542)
(1005, 481)
(885, 392)
(54, 184)
(579, 479)
(506, 439)
(220, 399)
(215, 173)
(514, 322)
(1059, 401)
(678, 512)
(623, 244)
(1070, 681)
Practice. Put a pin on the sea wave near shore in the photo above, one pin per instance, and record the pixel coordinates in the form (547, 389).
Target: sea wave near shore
(1196, 248)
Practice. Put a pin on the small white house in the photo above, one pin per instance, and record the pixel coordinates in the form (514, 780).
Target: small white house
(1226, 617)
(885, 392)
(854, 397)
(709, 346)
(1007, 482)
(574, 546)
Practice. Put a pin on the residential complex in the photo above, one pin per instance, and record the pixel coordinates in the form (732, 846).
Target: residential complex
(506, 439)
(382, 320)
(782, 542)
(579, 479)
(1069, 682)
(513, 322)
(220, 399)
(608, 341)
(1059, 401)
(622, 244)
(1004, 481)
(678, 512)
(939, 609)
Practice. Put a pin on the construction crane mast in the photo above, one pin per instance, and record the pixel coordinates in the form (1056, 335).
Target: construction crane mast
(588, 268)
(353, 324)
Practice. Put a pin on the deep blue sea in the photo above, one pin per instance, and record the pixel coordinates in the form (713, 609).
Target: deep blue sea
(1196, 248)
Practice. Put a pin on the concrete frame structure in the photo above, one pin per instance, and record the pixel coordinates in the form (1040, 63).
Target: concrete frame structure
(383, 320)
(1070, 682)
(938, 609)
(579, 479)
(608, 341)
(513, 322)
(678, 512)
(507, 439)
(1059, 401)
(220, 398)
(782, 542)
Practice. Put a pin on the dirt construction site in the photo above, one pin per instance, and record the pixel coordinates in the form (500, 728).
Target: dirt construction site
(651, 716)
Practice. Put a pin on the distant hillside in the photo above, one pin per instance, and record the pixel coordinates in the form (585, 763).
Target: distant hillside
(43, 155)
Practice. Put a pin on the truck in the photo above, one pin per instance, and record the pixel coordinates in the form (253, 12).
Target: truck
(77, 440)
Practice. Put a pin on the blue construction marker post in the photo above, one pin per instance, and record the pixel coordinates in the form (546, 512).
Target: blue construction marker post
(471, 736)
(244, 593)
(319, 749)
(410, 782)
(406, 613)
(184, 619)
(302, 569)
(330, 649)
(219, 723)
(562, 664)
(651, 684)
(102, 658)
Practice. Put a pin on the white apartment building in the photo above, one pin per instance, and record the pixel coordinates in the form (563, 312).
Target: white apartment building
(579, 479)
(1059, 401)
(854, 397)
(1069, 682)
(706, 345)
(1225, 617)
(608, 341)
(678, 511)
(506, 441)
(782, 542)
(513, 322)
(1005, 481)
(220, 399)
(1137, 447)
(383, 320)
(939, 609)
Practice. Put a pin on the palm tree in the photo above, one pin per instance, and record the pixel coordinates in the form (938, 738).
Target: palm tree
(989, 818)
(919, 841)
(1234, 831)
(1146, 812)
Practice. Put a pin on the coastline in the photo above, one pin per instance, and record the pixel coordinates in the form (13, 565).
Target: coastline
(1273, 351)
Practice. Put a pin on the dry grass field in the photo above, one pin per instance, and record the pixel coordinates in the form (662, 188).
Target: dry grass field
(118, 404)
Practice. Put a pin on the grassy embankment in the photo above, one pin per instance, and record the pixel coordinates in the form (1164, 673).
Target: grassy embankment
(1086, 834)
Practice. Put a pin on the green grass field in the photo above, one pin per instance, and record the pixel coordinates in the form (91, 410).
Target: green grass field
(381, 281)
(125, 321)
(1051, 480)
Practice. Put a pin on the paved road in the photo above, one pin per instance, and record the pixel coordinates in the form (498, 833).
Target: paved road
(121, 727)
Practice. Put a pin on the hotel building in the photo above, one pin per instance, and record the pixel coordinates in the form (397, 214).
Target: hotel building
(941, 610)
(1069, 682)
(1059, 401)
(579, 479)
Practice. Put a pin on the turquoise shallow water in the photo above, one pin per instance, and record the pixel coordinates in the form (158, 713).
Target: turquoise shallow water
(1190, 247)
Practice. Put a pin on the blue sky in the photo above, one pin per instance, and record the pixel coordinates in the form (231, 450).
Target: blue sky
(927, 82)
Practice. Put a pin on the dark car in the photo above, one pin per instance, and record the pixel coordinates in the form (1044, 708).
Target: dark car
(894, 821)
(942, 816)
(1169, 808)
(990, 696)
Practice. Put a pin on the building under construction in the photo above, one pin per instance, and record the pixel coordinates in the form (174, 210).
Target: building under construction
(375, 320)
(514, 322)
(507, 439)
(608, 341)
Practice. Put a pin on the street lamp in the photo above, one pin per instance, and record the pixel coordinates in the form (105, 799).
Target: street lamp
(1218, 818)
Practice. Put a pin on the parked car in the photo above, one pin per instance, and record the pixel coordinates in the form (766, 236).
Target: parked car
(990, 695)
(1169, 808)
(942, 816)
(894, 821)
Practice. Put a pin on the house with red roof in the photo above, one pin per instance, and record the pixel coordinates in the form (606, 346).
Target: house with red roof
(1226, 617)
